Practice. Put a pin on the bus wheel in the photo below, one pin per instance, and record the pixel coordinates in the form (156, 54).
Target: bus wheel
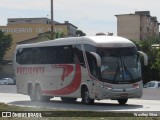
(69, 100)
(122, 101)
(31, 93)
(86, 98)
(38, 94)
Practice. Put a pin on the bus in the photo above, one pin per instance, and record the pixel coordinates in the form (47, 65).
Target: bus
(91, 68)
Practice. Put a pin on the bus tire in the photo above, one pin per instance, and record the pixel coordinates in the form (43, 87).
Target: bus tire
(86, 98)
(38, 95)
(31, 92)
(122, 101)
(69, 100)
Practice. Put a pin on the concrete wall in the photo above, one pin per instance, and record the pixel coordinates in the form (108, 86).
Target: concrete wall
(128, 26)
(22, 32)
(151, 94)
(6, 71)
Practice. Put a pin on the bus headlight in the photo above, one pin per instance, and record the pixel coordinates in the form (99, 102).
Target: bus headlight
(109, 87)
(136, 86)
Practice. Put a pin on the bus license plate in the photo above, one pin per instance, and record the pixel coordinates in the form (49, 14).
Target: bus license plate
(124, 95)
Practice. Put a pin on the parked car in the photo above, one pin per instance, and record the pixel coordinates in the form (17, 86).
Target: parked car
(6, 81)
(2, 82)
(152, 84)
(14, 79)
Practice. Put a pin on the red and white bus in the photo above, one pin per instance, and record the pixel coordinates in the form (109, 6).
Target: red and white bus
(91, 68)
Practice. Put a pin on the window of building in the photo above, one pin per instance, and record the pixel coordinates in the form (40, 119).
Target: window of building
(28, 21)
(140, 28)
(11, 21)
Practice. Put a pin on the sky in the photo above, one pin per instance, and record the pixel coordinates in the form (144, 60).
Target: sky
(90, 16)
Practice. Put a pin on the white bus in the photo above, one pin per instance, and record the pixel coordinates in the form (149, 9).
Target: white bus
(91, 68)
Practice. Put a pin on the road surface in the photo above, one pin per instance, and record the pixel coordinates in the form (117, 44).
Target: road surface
(133, 105)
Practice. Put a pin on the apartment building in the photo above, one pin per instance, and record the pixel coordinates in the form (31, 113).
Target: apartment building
(138, 26)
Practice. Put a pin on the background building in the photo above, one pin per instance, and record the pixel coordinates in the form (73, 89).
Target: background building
(138, 26)
(29, 30)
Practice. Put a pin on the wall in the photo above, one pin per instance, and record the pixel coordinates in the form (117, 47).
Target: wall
(128, 26)
(22, 32)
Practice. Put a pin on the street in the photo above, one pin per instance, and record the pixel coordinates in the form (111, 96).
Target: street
(9, 96)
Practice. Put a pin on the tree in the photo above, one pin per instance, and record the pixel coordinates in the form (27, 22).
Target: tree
(80, 33)
(156, 64)
(99, 34)
(151, 72)
(57, 34)
(5, 44)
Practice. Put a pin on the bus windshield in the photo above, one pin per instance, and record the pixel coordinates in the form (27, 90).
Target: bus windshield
(120, 65)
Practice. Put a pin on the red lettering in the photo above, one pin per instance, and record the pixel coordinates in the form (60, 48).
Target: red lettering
(43, 68)
(20, 70)
(36, 70)
(30, 70)
(17, 70)
(23, 70)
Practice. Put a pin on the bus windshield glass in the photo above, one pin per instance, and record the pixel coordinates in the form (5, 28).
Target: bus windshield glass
(120, 65)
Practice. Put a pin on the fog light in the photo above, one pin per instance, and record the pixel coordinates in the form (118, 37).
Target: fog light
(136, 86)
(109, 87)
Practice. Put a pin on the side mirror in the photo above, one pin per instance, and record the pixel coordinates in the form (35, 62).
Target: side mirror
(98, 58)
(145, 57)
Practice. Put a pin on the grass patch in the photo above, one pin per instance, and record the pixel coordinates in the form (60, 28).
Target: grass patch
(50, 114)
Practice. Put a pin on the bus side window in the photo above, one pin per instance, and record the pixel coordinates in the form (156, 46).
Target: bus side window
(26, 57)
(94, 69)
(64, 54)
(51, 53)
(78, 55)
(19, 56)
(36, 56)
(158, 85)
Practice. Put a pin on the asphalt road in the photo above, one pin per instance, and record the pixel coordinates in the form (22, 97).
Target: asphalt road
(148, 93)
(8, 95)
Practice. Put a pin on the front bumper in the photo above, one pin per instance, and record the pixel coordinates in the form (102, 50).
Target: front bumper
(121, 93)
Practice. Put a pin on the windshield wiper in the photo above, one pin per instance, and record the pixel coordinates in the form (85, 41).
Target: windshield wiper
(126, 70)
(117, 70)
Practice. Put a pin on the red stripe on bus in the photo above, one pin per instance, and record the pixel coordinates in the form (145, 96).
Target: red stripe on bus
(67, 70)
(72, 87)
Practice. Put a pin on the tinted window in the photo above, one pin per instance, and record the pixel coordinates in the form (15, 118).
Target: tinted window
(116, 52)
(46, 55)
(24, 56)
(152, 84)
(90, 48)
(78, 55)
(94, 69)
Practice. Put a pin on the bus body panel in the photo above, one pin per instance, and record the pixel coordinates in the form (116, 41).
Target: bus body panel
(55, 80)
(121, 91)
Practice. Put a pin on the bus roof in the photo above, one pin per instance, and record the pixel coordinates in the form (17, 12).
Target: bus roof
(98, 41)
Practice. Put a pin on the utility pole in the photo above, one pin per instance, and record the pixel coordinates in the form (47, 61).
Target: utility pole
(52, 21)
